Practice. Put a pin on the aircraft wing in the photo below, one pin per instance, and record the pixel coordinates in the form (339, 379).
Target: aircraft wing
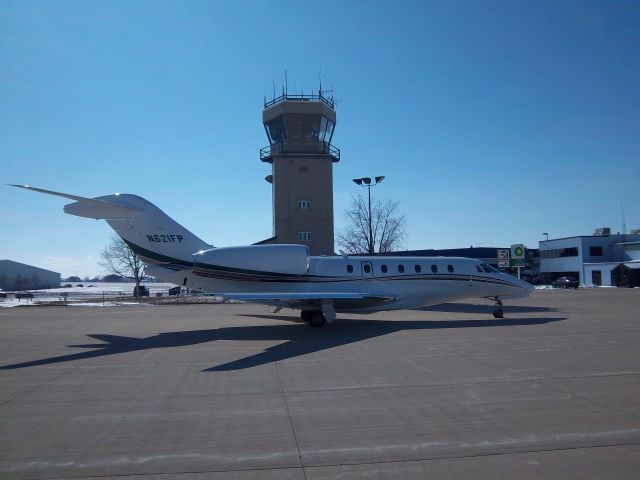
(340, 300)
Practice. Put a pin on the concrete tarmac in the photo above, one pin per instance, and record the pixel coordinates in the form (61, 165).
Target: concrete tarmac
(196, 392)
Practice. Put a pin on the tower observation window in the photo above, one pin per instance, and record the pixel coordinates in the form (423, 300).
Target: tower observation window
(326, 129)
(275, 130)
(303, 126)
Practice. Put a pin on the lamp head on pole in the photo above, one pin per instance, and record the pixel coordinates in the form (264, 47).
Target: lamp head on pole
(358, 181)
(367, 180)
(379, 179)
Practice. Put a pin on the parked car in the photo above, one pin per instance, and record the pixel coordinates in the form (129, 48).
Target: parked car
(565, 282)
(142, 290)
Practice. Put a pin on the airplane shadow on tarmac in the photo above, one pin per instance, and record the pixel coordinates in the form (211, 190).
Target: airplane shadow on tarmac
(299, 339)
(475, 308)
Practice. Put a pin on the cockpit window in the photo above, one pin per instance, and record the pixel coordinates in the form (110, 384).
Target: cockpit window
(488, 268)
(478, 268)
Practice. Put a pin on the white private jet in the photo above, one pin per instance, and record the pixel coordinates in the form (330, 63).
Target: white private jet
(286, 276)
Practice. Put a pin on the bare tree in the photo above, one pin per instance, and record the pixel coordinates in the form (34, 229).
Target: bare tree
(119, 259)
(388, 227)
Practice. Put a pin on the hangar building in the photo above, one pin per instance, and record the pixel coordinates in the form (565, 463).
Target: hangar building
(601, 259)
(18, 276)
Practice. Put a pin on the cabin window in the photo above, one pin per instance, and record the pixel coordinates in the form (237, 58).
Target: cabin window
(304, 236)
(401, 268)
(383, 268)
(434, 268)
(450, 268)
(418, 269)
(367, 268)
(350, 268)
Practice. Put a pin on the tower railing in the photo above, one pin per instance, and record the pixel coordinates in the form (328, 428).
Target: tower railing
(301, 98)
(299, 147)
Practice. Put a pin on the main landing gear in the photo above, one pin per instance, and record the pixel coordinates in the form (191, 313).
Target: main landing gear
(497, 311)
(315, 318)
(318, 317)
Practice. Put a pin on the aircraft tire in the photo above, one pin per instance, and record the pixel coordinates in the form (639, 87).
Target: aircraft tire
(306, 315)
(498, 313)
(317, 319)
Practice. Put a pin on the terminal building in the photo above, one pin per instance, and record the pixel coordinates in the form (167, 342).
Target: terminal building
(300, 129)
(601, 259)
(18, 276)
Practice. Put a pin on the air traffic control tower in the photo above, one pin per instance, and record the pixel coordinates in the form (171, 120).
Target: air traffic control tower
(299, 128)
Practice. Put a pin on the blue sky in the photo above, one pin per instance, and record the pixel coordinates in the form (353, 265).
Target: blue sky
(493, 121)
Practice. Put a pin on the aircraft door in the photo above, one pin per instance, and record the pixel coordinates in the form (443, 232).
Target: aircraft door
(367, 270)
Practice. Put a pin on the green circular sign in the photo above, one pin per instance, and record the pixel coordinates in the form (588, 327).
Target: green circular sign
(518, 252)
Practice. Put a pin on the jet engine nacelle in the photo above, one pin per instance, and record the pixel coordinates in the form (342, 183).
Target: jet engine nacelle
(289, 259)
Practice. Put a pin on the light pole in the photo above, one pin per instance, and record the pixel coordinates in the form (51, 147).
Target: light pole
(366, 182)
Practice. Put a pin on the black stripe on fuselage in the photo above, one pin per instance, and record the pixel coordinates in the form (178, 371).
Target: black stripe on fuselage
(238, 274)
(229, 274)
(155, 258)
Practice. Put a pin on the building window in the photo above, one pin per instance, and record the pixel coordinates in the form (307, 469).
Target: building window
(434, 268)
(450, 268)
(595, 251)
(304, 204)
(418, 269)
(350, 268)
(383, 268)
(304, 236)
(401, 268)
(559, 252)
(303, 169)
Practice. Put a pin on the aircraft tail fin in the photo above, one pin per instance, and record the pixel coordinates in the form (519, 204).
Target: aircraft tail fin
(150, 233)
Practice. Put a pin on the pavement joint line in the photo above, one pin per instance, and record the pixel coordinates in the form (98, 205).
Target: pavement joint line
(187, 472)
(375, 387)
(587, 399)
(29, 390)
(286, 403)
(480, 455)
(341, 464)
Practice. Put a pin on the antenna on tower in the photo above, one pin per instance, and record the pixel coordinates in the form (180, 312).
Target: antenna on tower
(624, 221)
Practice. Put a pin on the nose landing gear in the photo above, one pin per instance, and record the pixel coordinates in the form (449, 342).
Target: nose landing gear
(497, 311)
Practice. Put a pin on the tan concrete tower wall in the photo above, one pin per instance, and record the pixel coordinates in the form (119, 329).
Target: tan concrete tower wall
(304, 178)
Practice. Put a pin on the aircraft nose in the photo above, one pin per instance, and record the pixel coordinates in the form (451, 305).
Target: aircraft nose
(526, 287)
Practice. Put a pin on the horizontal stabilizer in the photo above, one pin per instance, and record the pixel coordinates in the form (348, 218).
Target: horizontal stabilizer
(90, 207)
